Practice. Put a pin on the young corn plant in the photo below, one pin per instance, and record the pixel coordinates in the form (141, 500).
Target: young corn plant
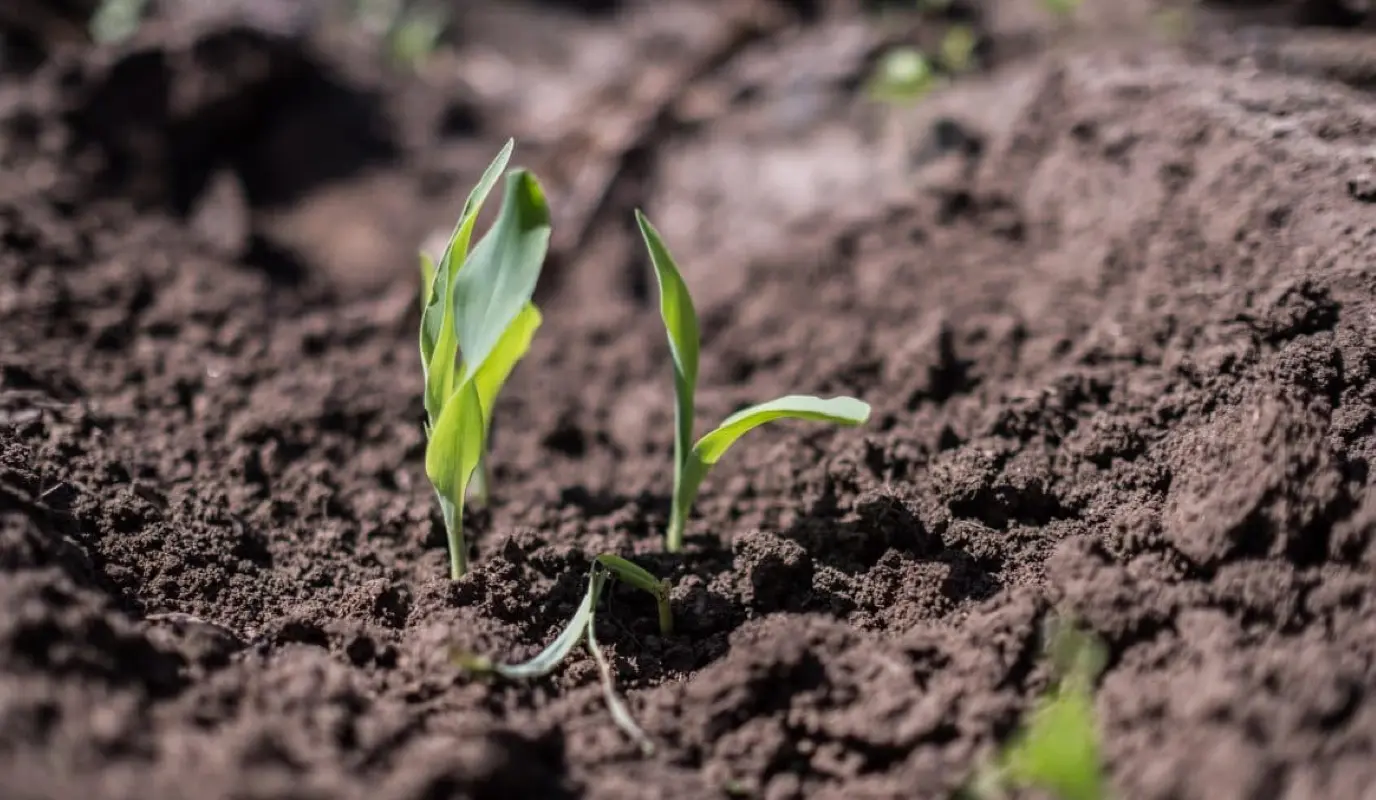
(693, 460)
(476, 324)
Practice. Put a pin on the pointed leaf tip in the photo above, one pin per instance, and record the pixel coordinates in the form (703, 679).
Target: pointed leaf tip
(675, 306)
(499, 278)
(439, 342)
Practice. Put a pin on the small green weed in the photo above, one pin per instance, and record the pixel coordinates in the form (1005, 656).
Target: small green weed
(117, 20)
(903, 75)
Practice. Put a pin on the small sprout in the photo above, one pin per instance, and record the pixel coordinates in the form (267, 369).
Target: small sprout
(117, 20)
(904, 74)
(410, 30)
(958, 48)
(1057, 748)
(693, 461)
(477, 323)
(415, 35)
(583, 625)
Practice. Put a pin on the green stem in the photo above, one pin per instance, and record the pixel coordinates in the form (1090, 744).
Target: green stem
(687, 479)
(674, 539)
(629, 572)
(666, 616)
(453, 528)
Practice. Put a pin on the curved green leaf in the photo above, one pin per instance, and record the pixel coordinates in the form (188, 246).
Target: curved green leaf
(437, 334)
(631, 573)
(582, 623)
(838, 410)
(499, 277)
(459, 241)
(510, 349)
(634, 575)
(455, 444)
(549, 658)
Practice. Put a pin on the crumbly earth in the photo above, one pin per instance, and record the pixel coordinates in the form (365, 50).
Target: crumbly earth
(1112, 296)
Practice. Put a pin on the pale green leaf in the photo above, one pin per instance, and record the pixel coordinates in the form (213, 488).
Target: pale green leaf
(681, 323)
(457, 251)
(548, 659)
(582, 623)
(439, 343)
(499, 277)
(456, 445)
(510, 349)
(427, 286)
(631, 573)
(838, 410)
(1059, 750)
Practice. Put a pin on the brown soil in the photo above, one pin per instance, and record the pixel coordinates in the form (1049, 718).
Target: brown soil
(1112, 297)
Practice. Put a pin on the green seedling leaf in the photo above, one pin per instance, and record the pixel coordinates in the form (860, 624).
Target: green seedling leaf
(427, 288)
(452, 454)
(1074, 654)
(499, 277)
(117, 20)
(838, 410)
(629, 573)
(904, 74)
(710, 448)
(681, 323)
(1059, 749)
(958, 48)
(547, 660)
(439, 344)
(415, 35)
(510, 349)
(481, 300)
(582, 624)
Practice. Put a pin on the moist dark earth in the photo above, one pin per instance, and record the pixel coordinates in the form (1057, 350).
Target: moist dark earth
(1111, 294)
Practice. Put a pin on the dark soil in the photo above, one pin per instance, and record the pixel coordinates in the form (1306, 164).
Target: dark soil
(1112, 297)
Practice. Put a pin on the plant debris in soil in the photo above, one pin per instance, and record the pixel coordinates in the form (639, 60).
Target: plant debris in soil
(1110, 294)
